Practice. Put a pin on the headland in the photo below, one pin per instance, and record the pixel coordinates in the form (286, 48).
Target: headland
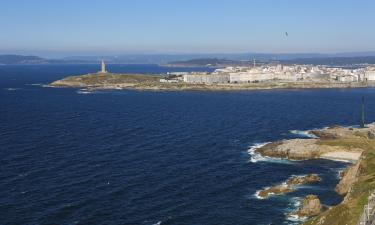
(229, 79)
(354, 145)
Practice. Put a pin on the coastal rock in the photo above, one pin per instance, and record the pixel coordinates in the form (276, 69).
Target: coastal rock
(323, 134)
(311, 206)
(289, 186)
(348, 178)
(295, 149)
(276, 190)
(301, 180)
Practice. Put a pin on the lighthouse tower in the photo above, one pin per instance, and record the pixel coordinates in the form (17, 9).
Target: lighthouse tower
(103, 68)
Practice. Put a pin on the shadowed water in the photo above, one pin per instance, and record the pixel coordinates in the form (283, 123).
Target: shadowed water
(133, 157)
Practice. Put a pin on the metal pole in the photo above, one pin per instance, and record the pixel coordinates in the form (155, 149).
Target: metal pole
(363, 113)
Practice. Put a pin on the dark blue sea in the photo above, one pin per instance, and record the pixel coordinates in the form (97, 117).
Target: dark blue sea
(165, 158)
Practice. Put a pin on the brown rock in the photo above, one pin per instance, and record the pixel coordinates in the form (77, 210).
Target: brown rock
(311, 206)
(295, 149)
(300, 180)
(289, 186)
(276, 190)
(324, 135)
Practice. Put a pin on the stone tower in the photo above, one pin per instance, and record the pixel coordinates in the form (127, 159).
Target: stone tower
(103, 68)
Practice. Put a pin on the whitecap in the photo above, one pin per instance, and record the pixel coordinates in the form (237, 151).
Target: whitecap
(12, 89)
(34, 84)
(84, 92)
(158, 223)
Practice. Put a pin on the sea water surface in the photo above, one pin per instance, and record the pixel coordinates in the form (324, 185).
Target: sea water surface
(136, 157)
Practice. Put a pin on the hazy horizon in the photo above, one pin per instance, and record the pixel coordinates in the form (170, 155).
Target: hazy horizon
(88, 28)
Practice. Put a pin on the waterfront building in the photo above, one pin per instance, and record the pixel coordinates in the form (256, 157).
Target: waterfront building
(206, 78)
(370, 74)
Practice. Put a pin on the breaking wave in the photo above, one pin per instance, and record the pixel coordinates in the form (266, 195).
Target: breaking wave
(293, 205)
(84, 92)
(256, 157)
(303, 133)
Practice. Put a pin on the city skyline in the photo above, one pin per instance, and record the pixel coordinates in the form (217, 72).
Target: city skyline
(125, 27)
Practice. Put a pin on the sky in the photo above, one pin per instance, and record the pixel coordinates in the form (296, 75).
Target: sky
(92, 27)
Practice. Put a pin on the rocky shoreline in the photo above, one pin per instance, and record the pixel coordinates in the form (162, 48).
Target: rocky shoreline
(335, 143)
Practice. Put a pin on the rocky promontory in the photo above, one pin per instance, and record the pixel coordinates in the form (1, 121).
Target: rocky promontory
(336, 143)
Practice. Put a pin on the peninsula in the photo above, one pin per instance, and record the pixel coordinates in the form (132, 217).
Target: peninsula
(229, 78)
(356, 145)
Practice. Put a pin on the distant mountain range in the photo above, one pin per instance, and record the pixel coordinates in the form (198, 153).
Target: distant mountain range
(19, 59)
(30, 60)
(200, 59)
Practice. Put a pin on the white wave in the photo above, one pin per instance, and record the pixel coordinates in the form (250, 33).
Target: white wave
(84, 92)
(158, 223)
(293, 206)
(303, 133)
(12, 89)
(256, 195)
(34, 84)
(256, 157)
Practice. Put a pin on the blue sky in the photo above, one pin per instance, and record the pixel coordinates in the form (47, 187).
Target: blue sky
(85, 27)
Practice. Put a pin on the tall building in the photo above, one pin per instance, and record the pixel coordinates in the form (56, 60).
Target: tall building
(103, 68)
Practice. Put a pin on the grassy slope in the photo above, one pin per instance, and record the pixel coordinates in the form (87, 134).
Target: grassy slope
(109, 78)
(349, 212)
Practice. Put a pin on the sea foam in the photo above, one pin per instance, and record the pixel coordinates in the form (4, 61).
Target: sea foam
(84, 92)
(256, 157)
(294, 204)
(303, 133)
(12, 89)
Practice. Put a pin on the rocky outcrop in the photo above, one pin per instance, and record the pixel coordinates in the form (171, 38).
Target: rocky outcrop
(348, 178)
(337, 143)
(295, 149)
(301, 180)
(311, 206)
(289, 186)
(323, 135)
(276, 190)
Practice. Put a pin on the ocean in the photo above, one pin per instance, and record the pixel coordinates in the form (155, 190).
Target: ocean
(165, 158)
